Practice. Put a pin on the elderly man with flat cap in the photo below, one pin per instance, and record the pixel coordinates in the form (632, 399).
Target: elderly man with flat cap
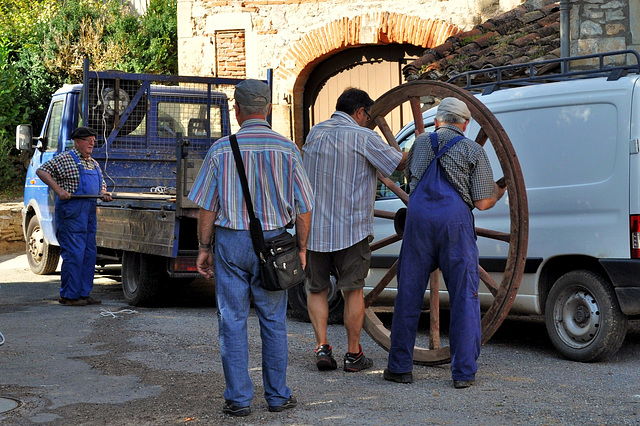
(448, 175)
(72, 173)
(282, 196)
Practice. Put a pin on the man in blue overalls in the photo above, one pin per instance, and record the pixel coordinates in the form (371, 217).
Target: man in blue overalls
(69, 174)
(449, 176)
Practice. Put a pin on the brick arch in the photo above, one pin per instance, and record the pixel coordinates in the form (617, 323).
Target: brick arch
(377, 28)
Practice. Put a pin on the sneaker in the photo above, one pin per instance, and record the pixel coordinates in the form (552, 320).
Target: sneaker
(324, 358)
(72, 302)
(289, 403)
(356, 362)
(233, 410)
(91, 301)
(397, 377)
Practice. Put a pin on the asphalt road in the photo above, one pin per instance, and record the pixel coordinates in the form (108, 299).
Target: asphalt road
(102, 365)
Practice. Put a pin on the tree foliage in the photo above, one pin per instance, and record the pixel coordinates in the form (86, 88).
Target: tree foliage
(43, 44)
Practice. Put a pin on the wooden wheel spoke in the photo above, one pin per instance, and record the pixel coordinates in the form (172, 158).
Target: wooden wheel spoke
(385, 242)
(416, 110)
(384, 282)
(386, 132)
(434, 310)
(482, 137)
(492, 286)
(394, 188)
(384, 214)
(494, 235)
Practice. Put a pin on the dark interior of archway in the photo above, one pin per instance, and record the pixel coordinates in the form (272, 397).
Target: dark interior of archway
(391, 57)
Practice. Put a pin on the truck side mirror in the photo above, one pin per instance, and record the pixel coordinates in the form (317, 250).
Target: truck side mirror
(24, 137)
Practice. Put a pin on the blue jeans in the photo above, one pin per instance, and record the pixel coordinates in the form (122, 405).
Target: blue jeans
(237, 277)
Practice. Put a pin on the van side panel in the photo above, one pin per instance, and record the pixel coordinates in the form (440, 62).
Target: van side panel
(574, 153)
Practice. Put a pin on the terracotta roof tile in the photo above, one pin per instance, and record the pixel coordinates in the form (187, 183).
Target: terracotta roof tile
(518, 36)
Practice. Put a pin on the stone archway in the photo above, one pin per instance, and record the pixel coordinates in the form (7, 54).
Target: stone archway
(378, 28)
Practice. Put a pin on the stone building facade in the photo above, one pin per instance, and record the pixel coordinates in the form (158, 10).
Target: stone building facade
(244, 38)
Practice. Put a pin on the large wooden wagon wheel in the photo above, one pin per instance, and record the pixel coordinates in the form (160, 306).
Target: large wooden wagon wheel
(517, 238)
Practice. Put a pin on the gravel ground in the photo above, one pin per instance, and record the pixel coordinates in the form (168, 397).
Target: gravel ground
(74, 366)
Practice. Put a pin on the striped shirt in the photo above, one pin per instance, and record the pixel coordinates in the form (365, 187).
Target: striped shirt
(277, 181)
(341, 159)
(465, 164)
(64, 170)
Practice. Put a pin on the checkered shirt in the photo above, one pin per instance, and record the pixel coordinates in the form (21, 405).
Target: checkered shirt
(465, 164)
(64, 171)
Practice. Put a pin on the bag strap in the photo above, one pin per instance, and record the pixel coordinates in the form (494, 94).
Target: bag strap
(255, 227)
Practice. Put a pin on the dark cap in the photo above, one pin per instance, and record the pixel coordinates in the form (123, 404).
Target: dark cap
(252, 93)
(83, 132)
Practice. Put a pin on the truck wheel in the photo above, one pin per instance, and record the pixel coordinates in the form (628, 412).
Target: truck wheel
(298, 303)
(141, 278)
(583, 317)
(43, 258)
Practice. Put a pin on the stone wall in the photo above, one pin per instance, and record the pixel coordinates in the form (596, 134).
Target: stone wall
(599, 26)
(11, 238)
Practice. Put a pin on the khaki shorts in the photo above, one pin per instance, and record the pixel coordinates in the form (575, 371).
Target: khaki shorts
(350, 266)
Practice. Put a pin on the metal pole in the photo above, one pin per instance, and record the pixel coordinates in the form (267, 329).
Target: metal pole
(565, 30)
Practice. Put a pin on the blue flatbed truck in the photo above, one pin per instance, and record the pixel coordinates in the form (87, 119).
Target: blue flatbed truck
(153, 134)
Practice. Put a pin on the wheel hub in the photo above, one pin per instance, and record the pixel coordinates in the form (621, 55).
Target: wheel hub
(580, 318)
(36, 245)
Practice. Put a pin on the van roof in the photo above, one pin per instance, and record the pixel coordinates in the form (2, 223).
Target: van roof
(553, 70)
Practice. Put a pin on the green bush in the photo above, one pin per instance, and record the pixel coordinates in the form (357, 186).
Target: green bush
(13, 111)
(43, 44)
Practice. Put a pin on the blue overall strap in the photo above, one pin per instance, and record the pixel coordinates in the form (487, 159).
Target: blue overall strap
(434, 144)
(82, 168)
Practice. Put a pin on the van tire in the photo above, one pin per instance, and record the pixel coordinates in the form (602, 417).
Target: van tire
(141, 278)
(298, 303)
(43, 257)
(583, 318)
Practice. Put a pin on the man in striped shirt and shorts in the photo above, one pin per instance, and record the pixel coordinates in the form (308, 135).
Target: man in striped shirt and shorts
(341, 157)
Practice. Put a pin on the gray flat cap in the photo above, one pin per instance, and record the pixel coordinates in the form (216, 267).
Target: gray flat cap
(454, 106)
(83, 132)
(252, 93)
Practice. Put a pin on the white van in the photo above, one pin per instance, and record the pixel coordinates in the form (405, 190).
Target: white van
(578, 141)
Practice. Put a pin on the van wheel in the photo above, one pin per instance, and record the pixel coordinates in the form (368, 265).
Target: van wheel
(43, 258)
(141, 278)
(298, 303)
(583, 318)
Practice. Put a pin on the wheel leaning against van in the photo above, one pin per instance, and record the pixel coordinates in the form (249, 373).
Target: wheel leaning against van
(43, 258)
(583, 317)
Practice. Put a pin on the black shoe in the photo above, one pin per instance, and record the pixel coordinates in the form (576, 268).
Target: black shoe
(398, 377)
(289, 403)
(356, 362)
(72, 302)
(461, 384)
(324, 358)
(91, 301)
(233, 410)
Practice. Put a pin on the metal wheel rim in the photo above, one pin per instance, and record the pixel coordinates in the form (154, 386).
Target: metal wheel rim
(518, 210)
(577, 317)
(36, 245)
